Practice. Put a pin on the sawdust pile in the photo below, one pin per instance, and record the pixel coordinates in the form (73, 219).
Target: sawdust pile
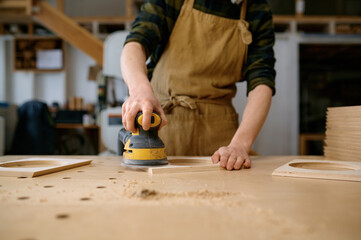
(142, 192)
(145, 193)
(193, 197)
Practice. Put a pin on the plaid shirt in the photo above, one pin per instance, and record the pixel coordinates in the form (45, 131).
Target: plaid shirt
(157, 18)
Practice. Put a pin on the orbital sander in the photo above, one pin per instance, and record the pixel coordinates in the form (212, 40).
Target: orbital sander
(142, 148)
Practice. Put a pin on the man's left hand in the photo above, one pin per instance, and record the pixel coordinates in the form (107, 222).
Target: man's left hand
(231, 158)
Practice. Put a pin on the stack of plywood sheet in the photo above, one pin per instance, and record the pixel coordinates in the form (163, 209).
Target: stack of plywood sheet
(343, 133)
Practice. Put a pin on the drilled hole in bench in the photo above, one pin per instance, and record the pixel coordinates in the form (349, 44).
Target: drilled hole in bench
(112, 178)
(22, 177)
(66, 177)
(62, 216)
(23, 198)
(48, 186)
(101, 186)
(85, 199)
(80, 171)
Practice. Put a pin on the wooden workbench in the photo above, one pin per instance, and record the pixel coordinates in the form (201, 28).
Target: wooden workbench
(103, 201)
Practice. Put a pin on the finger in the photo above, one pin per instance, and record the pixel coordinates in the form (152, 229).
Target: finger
(224, 157)
(124, 108)
(231, 161)
(147, 115)
(164, 122)
(215, 157)
(130, 119)
(247, 163)
(239, 163)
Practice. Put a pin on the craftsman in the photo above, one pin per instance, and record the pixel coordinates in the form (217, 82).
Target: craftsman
(198, 51)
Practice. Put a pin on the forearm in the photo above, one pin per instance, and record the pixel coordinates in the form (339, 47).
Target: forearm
(254, 115)
(134, 69)
(141, 95)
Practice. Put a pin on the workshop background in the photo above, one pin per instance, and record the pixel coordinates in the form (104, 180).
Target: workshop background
(318, 52)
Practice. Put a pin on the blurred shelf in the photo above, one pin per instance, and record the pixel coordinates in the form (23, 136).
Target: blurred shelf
(306, 138)
(285, 20)
(104, 20)
(26, 53)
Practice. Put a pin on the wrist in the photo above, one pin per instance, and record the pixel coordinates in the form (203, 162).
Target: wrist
(141, 86)
(242, 143)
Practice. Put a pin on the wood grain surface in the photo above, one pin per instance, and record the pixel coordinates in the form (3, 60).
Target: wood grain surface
(104, 201)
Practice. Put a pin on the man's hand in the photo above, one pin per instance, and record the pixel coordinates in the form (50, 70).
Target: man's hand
(141, 100)
(231, 157)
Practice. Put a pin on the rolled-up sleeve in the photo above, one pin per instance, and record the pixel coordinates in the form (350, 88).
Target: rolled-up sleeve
(151, 26)
(259, 68)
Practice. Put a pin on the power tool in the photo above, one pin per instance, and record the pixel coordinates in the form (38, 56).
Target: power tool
(142, 148)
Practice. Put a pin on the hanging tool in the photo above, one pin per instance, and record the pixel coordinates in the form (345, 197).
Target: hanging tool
(142, 148)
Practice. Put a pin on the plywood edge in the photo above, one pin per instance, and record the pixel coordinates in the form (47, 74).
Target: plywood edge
(61, 168)
(38, 171)
(183, 169)
(19, 174)
(179, 164)
(190, 160)
(345, 108)
(314, 176)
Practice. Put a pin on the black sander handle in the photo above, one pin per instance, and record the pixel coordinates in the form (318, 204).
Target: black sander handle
(123, 137)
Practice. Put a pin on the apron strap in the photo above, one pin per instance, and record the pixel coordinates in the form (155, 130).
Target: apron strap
(175, 101)
(246, 35)
(244, 10)
(188, 4)
(191, 103)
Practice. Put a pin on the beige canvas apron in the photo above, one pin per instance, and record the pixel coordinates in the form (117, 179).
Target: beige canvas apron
(195, 78)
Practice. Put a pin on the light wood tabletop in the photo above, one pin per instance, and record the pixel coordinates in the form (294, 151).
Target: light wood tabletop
(105, 201)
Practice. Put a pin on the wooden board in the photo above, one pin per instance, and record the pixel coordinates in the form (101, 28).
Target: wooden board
(323, 169)
(341, 155)
(347, 109)
(343, 133)
(180, 165)
(33, 167)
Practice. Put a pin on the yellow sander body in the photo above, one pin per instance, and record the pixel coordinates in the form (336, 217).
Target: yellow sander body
(142, 148)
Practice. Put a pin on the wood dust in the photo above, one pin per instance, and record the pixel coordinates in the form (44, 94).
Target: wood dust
(142, 192)
(200, 197)
(145, 193)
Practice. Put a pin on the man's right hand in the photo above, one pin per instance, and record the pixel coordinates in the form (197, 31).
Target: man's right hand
(141, 100)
